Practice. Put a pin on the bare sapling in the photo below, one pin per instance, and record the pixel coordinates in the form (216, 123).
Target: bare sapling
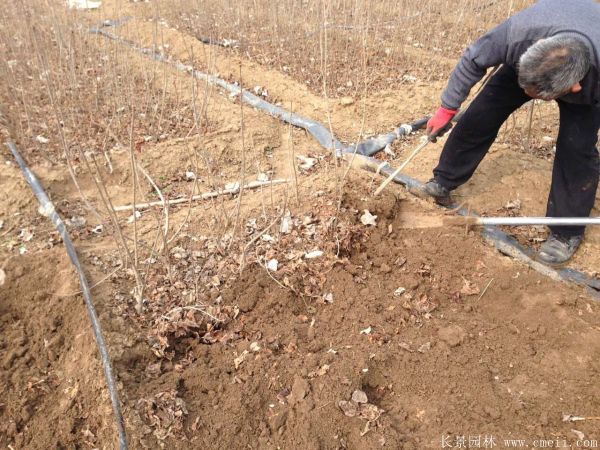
(238, 209)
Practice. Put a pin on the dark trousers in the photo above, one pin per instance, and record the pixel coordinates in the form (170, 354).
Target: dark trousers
(576, 164)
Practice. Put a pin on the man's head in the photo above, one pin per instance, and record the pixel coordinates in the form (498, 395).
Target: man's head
(554, 67)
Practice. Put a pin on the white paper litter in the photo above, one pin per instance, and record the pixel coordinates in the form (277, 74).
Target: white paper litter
(286, 223)
(398, 292)
(263, 177)
(76, 222)
(272, 265)
(237, 362)
(259, 90)
(26, 235)
(47, 209)
(255, 347)
(425, 347)
(230, 43)
(235, 186)
(572, 418)
(251, 225)
(368, 219)
(134, 216)
(314, 254)
(513, 204)
(306, 163)
(41, 139)
(359, 397)
(84, 4)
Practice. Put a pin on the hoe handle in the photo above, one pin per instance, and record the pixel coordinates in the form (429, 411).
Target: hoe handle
(402, 166)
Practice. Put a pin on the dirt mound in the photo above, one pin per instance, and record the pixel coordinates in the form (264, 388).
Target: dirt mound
(408, 321)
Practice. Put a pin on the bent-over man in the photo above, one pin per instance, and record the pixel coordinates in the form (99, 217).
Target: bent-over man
(550, 52)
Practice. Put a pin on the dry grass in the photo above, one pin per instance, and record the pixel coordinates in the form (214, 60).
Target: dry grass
(289, 36)
(58, 77)
(87, 96)
(70, 98)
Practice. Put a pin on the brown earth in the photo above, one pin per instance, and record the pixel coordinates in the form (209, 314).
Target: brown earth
(444, 336)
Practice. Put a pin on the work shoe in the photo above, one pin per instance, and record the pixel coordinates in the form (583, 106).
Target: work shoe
(435, 190)
(558, 250)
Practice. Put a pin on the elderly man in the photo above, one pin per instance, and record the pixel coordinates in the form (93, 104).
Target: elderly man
(550, 52)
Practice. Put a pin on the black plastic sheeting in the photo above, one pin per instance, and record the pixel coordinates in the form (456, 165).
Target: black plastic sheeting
(509, 246)
(218, 42)
(316, 129)
(48, 210)
(375, 144)
(362, 153)
(114, 23)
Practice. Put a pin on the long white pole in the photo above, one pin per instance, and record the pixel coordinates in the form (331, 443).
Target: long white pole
(553, 221)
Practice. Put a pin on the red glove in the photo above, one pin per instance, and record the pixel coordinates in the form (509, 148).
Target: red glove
(440, 123)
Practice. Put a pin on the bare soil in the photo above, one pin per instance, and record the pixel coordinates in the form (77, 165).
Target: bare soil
(443, 335)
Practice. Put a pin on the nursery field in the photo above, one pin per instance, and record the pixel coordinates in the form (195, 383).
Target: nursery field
(261, 296)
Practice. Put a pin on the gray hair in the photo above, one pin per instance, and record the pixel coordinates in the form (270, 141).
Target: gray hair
(552, 66)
